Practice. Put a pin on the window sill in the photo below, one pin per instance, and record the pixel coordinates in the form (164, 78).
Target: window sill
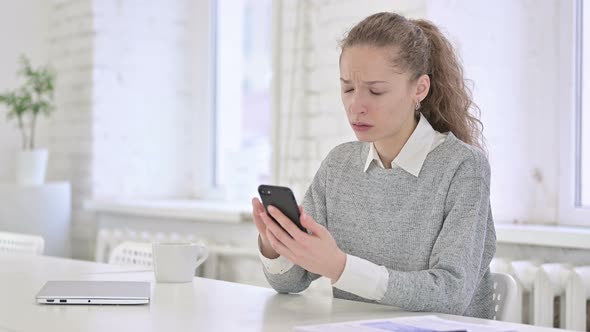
(197, 210)
(544, 235)
(236, 212)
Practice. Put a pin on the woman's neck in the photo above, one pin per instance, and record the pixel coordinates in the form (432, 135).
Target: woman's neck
(389, 147)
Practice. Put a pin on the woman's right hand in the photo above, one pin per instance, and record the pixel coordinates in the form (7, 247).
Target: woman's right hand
(265, 247)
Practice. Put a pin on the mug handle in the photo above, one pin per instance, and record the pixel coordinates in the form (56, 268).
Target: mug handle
(204, 258)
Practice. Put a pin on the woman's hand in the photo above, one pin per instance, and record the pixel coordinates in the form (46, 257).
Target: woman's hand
(265, 247)
(316, 252)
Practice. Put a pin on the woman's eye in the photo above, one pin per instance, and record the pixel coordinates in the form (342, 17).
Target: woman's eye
(348, 90)
(376, 93)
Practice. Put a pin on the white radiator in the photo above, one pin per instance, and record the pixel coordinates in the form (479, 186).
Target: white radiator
(541, 284)
(108, 239)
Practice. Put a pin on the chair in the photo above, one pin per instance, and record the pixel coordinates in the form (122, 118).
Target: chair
(506, 301)
(15, 243)
(131, 253)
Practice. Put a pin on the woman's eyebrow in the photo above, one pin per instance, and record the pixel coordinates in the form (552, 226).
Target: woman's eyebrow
(366, 82)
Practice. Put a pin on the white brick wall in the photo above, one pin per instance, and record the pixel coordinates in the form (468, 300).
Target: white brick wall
(508, 49)
(70, 135)
(110, 94)
(510, 52)
(142, 99)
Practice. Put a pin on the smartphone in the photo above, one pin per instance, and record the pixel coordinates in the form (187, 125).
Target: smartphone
(283, 199)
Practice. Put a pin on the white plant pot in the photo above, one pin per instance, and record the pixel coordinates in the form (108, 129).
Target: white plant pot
(31, 167)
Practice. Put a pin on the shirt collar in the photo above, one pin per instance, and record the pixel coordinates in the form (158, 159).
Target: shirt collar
(414, 152)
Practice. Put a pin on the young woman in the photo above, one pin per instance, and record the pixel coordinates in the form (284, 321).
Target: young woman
(402, 217)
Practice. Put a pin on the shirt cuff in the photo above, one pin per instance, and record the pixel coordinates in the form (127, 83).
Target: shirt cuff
(278, 265)
(363, 278)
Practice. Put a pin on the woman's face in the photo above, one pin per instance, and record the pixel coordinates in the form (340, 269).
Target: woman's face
(378, 97)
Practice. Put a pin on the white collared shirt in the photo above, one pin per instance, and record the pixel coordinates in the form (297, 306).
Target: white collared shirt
(414, 152)
(360, 276)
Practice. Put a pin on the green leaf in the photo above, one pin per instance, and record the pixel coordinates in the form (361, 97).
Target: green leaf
(34, 96)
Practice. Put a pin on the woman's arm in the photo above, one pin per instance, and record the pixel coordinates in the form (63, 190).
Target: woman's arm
(286, 278)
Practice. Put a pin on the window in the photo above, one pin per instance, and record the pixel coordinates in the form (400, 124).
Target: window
(242, 96)
(575, 127)
(583, 111)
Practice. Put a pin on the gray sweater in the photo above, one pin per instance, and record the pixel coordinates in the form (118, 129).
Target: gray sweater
(434, 233)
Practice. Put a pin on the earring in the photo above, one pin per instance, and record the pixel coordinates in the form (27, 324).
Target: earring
(417, 105)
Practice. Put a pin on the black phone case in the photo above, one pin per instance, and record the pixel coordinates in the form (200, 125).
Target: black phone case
(283, 199)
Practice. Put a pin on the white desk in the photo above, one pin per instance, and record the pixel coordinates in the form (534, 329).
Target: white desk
(203, 305)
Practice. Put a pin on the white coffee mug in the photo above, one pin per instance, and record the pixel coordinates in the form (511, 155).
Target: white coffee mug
(177, 262)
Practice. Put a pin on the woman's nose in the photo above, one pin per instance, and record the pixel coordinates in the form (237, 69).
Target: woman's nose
(358, 105)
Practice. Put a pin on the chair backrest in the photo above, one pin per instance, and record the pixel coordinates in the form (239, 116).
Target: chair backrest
(15, 243)
(505, 296)
(132, 253)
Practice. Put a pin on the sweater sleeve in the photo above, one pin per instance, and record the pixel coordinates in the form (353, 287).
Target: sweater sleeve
(297, 279)
(458, 252)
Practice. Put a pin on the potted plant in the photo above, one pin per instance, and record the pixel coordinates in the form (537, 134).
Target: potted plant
(25, 104)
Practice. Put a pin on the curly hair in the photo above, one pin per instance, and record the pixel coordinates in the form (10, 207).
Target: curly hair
(423, 49)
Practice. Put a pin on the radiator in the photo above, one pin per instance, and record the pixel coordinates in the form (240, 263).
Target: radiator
(550, 294)
(109, 238)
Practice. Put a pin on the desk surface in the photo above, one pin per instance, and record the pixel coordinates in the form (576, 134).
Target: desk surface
(203, 305)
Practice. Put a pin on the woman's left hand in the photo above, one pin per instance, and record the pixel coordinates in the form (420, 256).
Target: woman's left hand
(316, 252)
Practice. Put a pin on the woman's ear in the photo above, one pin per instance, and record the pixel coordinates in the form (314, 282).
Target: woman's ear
(422, 87)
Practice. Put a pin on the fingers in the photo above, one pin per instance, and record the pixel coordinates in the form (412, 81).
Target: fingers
(287, 224)
(280, 248)
(279, 233)
(256, 210)
(257, 205)
(315, 228)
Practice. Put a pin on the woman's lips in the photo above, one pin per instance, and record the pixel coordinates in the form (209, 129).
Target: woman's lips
(361, 127)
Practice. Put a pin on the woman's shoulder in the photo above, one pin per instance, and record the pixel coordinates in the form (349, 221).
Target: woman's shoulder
(468, 160)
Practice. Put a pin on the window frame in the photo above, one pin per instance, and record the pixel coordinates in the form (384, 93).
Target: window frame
(570, 56)
(203, 74)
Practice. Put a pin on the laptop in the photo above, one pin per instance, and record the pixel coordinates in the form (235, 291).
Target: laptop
(94, 292)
